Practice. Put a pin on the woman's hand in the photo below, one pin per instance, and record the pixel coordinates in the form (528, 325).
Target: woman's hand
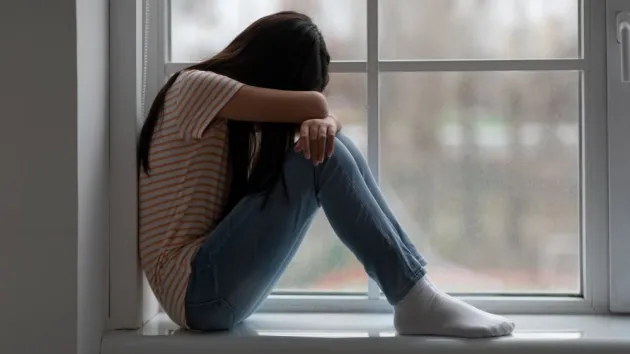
(317, 138)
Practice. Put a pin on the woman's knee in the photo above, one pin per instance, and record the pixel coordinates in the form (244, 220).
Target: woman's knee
(349, 144)
(341, 155)
(342, 138)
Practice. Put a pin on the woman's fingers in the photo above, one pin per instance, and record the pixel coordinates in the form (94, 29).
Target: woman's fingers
(313, 136)
(323, 129)
(317, 141)
(304, 140)
(330, 140)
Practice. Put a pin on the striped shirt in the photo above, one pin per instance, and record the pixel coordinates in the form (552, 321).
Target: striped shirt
(182, 198)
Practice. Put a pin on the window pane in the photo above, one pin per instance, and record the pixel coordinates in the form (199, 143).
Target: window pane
(483, 171)
(323, 263)
(478, 29)
(201, 28)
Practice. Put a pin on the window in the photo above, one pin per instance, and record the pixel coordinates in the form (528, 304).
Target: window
(486, 174)
(482, 120)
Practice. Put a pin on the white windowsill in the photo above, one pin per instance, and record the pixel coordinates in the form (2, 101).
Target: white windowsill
(372, 333)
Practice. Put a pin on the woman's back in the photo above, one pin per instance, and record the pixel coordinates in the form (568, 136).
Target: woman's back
(183, 196)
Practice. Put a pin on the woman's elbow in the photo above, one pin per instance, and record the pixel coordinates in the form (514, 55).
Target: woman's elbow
(319, 105)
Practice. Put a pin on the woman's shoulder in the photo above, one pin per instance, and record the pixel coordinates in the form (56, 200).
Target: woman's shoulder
(191, 79)
(200, 74)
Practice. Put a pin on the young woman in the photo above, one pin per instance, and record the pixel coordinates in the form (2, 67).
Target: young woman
(227, 194)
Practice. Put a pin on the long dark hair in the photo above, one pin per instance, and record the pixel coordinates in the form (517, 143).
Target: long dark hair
(284, 51)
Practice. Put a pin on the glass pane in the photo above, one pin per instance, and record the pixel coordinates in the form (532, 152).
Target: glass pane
(202, 28)
(323, 263)
(483, 171)
(478, 29)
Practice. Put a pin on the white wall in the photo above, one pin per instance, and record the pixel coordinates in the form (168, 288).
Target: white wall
(93, 162)
(53, 158)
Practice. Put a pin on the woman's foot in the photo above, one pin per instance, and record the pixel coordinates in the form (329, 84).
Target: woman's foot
(426, 310)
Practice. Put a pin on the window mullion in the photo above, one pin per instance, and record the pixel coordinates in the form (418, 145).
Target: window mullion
(594, 169)
(373, 107)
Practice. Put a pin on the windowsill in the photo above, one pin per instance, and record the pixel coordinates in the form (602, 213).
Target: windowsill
(372, 333)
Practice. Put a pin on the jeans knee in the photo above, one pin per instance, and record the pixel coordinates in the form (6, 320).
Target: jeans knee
(340, 158)
(341, 154)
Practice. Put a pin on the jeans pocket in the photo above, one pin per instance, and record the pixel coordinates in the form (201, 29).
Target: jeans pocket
(214, 315)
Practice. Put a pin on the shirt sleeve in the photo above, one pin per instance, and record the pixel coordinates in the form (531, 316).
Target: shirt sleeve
(201, 97)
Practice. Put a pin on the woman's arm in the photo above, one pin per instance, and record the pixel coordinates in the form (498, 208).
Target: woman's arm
(256, 104)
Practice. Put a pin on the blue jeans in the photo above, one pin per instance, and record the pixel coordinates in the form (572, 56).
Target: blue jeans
(244, 257)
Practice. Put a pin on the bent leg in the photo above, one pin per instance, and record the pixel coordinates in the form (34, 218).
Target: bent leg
(425, 310)
(246, 254)
(362, 225)
(243, 258)
(377, 194)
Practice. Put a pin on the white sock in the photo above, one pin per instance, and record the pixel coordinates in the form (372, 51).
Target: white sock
(426, 310)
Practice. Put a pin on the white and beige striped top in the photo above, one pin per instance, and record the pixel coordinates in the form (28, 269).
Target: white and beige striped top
(182, 198)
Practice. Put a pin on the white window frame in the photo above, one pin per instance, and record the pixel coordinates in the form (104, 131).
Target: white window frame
(618, 114)
(131, 301)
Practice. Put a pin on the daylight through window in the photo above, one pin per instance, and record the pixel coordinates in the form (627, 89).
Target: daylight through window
(475, 112)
